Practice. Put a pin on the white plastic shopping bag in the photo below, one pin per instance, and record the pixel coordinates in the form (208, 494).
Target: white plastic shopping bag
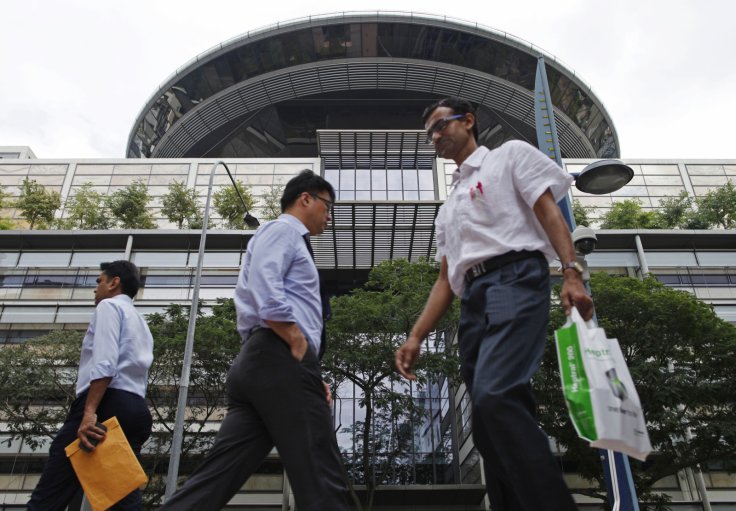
(603, 403)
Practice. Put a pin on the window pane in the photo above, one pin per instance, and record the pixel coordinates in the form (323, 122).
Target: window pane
(378, 179)
(44, 259)
(410, 179)
(670, 258)
(362, 179)
(716, 258)
(75, 314)
(13, 314)
(216, 259)
(95, 258)
(394, 180)
(9, 259)
(155, 259)
(426, 179)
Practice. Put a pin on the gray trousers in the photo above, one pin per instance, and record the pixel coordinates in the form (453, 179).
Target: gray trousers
(273, 400)
(502, 333)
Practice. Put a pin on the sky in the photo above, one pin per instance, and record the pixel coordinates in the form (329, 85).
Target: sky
(74, 74)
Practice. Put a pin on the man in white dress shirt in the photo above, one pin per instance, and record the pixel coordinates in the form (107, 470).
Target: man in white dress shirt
(496, 233)
(117, 352)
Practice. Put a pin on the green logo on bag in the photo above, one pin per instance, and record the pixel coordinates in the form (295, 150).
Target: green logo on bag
(602, 353)
(575, 385)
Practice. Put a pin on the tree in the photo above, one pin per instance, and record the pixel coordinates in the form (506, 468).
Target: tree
(680, 356)
(230, 208)
(272, 203)
(128, 206)
(680, 213)
(216, 343)
(37, 385)
(86, 210)
(37, 205)
(719, 206)
(580, 213)
(5, 223)
(181, 205)
(628, 215)
(361, 352)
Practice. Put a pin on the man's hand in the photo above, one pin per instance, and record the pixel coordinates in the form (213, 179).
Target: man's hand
(573, 293)
(292, 335)
(298, 350)
(406, 356)
(89, 430)
(328, 393)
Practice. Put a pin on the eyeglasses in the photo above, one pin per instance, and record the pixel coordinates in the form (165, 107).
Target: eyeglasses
(441, 124)
(328, 203)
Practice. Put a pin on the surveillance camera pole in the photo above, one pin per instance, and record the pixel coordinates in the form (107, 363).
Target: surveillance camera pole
(616, 469)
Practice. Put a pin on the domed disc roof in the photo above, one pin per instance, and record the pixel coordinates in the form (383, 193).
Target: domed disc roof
(265, 93)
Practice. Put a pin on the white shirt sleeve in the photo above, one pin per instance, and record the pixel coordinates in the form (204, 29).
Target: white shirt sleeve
(106, 346)
(534, 172)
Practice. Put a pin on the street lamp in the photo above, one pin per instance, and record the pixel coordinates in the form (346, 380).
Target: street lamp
(178, 436)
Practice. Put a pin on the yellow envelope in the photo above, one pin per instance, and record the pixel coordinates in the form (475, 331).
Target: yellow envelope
(111, 471)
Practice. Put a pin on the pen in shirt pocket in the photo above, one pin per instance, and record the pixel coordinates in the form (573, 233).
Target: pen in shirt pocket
(476, 191)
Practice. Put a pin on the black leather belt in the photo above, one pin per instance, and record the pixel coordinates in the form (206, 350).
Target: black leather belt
(496, 262)
(256, 329)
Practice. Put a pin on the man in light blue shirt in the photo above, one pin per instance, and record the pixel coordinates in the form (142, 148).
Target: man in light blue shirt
(276, 396)
(117, 351)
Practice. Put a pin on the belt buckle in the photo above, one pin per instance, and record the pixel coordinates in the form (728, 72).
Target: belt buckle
(478, 270)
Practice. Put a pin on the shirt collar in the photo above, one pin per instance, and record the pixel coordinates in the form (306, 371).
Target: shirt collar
(471, 164)
(295, 223)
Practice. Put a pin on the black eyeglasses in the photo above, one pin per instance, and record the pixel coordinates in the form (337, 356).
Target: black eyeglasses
(328, 203)
(441, 124)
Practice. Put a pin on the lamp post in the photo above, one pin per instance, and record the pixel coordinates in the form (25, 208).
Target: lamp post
(600, 177)
(178, 436)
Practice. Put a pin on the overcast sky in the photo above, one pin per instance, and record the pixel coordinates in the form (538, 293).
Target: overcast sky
(76, 73)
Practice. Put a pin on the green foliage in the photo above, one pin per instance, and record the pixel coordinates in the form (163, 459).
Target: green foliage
(272, 203)
(366, 328)
(181, 205)
(128, 206)
(680, 355)
(680, 213)
(580, 213)
(37, 385)
(37, 205)
(4, 203)
(216, 343)
(718, 206)
(228, 205)
(86, 210)
(628, 214)
(6, 224)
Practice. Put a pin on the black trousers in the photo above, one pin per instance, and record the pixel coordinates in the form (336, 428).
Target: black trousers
(273, 400)
(59, 483)
(503, 326)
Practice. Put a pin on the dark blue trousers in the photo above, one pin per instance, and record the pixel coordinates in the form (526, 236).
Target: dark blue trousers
(59, 483)
(503, 326)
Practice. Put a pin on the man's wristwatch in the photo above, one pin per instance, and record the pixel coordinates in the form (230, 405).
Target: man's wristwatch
(572, 265)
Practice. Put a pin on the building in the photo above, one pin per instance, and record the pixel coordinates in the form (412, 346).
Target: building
(341, 95)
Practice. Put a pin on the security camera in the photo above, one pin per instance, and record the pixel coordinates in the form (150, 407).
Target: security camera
(584, 239)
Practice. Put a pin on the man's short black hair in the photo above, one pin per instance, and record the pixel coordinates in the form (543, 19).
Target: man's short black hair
(306, 181)
(457, 105)
(128, 274)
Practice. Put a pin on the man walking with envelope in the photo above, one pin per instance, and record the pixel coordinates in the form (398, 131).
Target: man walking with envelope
(495, 234)
(117, 352)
